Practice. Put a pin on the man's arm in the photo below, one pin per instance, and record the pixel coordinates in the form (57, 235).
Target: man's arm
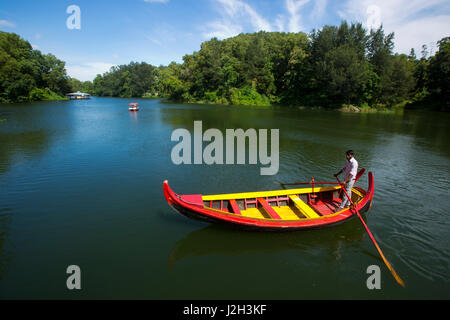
(350, 177)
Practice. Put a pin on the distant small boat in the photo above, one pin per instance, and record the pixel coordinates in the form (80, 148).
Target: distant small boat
(133, 107)
(78, 96)
(281, 210)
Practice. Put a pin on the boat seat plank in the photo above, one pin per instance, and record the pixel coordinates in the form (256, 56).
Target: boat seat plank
(357, 192)
(266, 206)
(303, 207)
(234, 207)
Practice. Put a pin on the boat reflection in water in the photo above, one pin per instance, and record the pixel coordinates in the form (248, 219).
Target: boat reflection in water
(220, 240)
(133, 116)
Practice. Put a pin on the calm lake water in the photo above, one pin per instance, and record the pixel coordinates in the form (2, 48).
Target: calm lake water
(81, 183)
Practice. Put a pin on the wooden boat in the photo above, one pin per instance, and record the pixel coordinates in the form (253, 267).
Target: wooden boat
(133, 107)
(280, 210)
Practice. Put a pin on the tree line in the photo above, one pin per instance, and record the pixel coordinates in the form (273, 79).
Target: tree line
(333, 67)
(336, 66)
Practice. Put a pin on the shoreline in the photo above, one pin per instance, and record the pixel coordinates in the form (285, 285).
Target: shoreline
(398, 108)
(344, 108)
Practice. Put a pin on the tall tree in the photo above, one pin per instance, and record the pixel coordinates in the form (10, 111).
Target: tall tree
(439, 74)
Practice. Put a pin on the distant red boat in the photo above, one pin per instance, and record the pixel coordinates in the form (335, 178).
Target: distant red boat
(133, 107)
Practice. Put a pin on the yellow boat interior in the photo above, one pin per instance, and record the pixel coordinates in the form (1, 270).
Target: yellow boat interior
(291, 204)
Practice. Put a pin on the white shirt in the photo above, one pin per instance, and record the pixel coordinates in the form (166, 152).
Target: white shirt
(351, 167)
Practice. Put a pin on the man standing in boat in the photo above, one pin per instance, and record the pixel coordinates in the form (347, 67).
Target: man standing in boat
(350, 170)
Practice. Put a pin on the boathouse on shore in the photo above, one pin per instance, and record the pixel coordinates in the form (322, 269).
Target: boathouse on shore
(78, 95)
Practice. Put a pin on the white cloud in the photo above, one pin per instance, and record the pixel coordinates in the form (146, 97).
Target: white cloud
(155, 41)
(235, 15)
(414, 22)
(156, 1)
(427, 30)
(164, 35)
(279, 22)
(258, 22)
(293, 8)
(222, 29)
(87, 71)
(8, 24)
(319, 8)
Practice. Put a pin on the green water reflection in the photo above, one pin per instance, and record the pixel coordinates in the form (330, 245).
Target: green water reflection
(81, 183)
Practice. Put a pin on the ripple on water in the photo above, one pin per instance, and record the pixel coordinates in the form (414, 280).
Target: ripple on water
(417, 243)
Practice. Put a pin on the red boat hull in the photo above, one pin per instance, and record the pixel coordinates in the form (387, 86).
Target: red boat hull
(196, 210)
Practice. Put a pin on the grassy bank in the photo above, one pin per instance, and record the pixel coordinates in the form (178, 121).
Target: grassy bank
(36, 94)
(263, 103)
(365, 108)
(46, 94)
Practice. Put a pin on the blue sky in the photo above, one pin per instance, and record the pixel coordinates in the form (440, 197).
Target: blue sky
(161, 31)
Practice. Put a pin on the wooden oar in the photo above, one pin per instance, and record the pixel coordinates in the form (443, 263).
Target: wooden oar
(358, 175)
(300, 183)
(396, 276)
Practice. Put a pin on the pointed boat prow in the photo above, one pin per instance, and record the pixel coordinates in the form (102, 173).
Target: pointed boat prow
(166, 189)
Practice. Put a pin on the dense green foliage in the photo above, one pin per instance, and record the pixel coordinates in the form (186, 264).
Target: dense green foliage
(432, 76)
(333, 67)
(438, 73)
(27, 74)
(82, 86)
(132, 80)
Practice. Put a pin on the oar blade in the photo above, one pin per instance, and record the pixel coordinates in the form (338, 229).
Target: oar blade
(386, 262)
